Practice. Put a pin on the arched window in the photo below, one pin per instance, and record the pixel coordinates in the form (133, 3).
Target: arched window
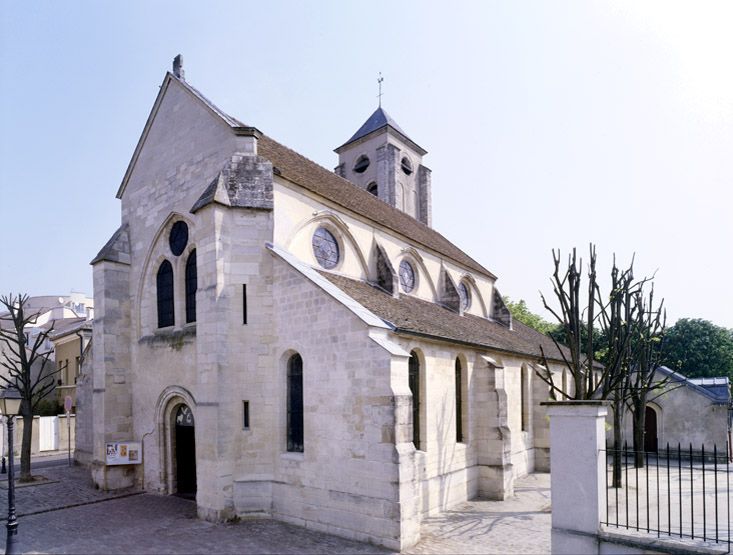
(459, 401)
(164, 283)
(362, 163)
(414, 383)
(524, 393)
(295, 404)
(191, 285)
(373, 188)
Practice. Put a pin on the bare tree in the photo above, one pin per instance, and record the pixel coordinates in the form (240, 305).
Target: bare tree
(26, 365)
(617, 316)
(648, 341)
(621, 318)
(581, 311)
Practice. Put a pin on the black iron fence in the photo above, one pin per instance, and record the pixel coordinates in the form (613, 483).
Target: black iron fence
(676, 492)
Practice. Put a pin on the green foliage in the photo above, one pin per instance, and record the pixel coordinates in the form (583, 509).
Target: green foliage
(698, 348)
(520, 312)
(600, 341)
(48, 407)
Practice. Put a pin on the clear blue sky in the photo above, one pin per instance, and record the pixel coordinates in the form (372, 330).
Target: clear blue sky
(548, 124)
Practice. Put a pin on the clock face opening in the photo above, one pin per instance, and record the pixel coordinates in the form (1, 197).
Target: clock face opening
(178, 238)
(407, 276)
(325, 248)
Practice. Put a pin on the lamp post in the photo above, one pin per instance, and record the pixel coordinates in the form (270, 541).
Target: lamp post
(10, 400)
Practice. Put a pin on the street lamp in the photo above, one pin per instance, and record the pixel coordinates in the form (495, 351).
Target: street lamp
(10, 400)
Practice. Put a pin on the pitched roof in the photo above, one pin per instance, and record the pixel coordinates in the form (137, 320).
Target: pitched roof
(69, 325)
(418, 317)
(304, 172)
(117, 249)
(715, 389)
(379, 119)
(317, 179)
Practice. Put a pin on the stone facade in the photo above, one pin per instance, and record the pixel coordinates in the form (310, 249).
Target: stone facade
(670, 415)
(262, 297)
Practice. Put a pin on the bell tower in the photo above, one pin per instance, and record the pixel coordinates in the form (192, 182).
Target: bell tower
(382, 159)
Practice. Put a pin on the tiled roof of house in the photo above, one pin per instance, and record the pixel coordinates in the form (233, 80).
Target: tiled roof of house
(415, 316)
(315, 178)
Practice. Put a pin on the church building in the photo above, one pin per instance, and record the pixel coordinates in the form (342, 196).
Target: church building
(286, 341)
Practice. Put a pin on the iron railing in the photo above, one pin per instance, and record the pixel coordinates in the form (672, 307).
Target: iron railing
(678, 492)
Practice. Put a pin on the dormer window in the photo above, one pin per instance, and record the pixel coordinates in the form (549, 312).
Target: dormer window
(406, 165)
(362, 163)
(373, 188)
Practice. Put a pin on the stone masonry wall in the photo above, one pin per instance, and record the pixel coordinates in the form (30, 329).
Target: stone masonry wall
(345, 480)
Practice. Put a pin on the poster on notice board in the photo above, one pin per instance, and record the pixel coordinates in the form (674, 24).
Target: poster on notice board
(124, 452)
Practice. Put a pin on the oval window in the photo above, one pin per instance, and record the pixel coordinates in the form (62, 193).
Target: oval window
(465, 294)
(407, 276)
(178, 238)
(325, 248)
(362, 163)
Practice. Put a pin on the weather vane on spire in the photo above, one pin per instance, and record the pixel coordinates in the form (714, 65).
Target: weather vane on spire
(379, 82)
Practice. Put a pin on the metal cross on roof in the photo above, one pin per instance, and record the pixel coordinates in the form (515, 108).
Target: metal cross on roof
(379, 82)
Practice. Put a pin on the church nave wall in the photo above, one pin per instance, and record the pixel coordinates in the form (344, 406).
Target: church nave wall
(344, 480)
(296, 218)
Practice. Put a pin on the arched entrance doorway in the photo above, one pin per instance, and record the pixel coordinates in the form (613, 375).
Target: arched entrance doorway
(185, 452)
(650, 430)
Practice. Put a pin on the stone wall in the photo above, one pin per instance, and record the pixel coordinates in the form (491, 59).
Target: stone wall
(708, 427)
(345, 480)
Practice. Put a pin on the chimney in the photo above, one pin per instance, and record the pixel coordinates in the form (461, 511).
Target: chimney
(178, 67)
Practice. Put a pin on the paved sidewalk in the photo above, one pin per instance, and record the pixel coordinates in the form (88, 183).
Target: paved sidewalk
(70, 516)
(521, 524)
(67, 486)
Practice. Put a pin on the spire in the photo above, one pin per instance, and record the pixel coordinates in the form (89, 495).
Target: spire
(379, 119)
(379, 82)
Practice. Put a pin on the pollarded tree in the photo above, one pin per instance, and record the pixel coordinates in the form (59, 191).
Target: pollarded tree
(582, 308)
(599, 333)
(647, 353)
(26, 365)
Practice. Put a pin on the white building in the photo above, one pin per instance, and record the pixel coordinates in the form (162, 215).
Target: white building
(298, 343)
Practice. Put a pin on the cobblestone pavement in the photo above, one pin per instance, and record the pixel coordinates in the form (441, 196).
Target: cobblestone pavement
(148, 523)
(66, 486)
(518, 525)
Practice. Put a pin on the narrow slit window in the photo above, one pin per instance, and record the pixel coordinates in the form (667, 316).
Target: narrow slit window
(524, 390)
(164, 282)
(191, 286)
(414, 383)
(459, 402)
(295, 404)
(245, 415)
(244, 303)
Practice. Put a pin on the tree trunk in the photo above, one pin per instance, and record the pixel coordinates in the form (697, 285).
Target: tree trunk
(25, 449)
(639, 423)
(618, 407)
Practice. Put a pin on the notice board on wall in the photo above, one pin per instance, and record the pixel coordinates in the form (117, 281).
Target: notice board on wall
(124, 452)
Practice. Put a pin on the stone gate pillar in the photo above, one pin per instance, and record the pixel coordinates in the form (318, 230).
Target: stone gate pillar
(577, 467)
